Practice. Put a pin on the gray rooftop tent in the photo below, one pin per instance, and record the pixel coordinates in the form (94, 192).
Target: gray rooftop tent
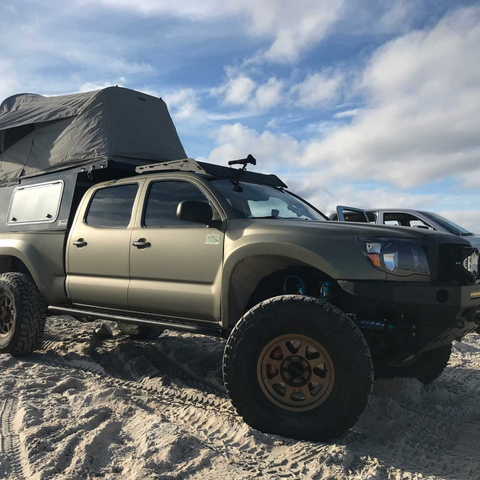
(43, 134)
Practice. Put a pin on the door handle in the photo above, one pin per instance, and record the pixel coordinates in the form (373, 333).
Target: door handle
(80, 243)
(142, 243)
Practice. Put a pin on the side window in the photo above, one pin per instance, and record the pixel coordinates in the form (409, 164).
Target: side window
(162, 202)
(111, 207)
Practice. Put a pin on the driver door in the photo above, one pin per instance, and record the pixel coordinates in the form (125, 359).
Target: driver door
(175, 265)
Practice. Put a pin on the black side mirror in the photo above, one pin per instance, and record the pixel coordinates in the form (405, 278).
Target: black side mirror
(192, 211)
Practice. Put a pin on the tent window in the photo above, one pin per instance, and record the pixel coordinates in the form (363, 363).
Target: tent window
(13, 135)
(35, 203)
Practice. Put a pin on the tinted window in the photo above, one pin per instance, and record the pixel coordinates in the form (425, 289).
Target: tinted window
(111, 207)
(162, 202)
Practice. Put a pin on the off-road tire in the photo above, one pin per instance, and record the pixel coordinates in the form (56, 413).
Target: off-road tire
(30, 313)
(338, 335)
(425, 369)
(139, 332)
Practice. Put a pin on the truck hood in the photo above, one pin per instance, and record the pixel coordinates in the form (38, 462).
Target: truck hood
(342, 229)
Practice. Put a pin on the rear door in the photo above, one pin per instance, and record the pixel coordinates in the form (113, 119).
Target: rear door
(98, 247)
(175, 266)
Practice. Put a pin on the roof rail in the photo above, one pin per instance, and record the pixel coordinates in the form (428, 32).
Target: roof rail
(184, 165)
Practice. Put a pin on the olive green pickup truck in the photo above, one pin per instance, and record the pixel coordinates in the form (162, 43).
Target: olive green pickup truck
(103, 216)
(310, 308)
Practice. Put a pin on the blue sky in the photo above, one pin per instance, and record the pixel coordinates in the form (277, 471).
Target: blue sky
(360, 102)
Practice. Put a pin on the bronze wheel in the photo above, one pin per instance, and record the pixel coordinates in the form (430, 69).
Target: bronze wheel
(298, 367)
(7, 314)
(295, 372)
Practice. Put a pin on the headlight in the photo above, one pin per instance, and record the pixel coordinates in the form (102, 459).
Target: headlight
(395, 256)
(471, 263)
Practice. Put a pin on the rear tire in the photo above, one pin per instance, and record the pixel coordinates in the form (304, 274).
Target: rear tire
(22, 314)
(315, 346)
(427, 368)
(139, 332)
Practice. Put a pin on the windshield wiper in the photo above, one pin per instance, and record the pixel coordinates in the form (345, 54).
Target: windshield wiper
(466, 234)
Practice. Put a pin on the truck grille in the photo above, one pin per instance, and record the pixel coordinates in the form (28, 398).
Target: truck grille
(458, 264)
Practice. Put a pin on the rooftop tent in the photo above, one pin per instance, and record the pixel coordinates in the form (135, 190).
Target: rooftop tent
(42, 134)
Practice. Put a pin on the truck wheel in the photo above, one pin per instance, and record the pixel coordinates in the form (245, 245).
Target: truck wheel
(22, 314)
(425, 369)
(298, 367)
(139, 332)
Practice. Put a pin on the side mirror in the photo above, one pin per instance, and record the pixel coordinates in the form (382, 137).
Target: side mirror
(192, 211)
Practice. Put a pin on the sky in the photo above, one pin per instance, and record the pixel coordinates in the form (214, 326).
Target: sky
(366, 103)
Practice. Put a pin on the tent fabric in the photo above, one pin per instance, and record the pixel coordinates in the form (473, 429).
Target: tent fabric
(42, 134)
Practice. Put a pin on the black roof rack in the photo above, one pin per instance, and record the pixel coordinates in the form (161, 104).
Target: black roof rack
(191, 165)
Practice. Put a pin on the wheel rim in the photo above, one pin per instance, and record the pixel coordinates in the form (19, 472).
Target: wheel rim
(7, 314)
(295, 372)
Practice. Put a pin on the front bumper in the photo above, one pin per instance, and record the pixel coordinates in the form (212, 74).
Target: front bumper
(454, 310)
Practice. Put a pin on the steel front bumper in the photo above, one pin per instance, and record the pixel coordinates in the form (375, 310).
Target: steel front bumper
(456, 310)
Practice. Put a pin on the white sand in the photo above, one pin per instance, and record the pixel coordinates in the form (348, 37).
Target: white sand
(82, 408)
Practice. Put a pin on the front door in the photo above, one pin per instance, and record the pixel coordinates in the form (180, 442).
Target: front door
(98, 248)
(175, 266)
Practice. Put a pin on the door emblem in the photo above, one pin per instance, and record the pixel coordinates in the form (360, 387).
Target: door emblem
(212, 239)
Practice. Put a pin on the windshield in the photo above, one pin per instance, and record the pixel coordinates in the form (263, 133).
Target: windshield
(249, 200)
(447, 224)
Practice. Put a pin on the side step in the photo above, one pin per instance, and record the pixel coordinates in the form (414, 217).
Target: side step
(181, 327)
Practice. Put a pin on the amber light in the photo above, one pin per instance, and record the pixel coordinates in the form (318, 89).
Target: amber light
(375, 259)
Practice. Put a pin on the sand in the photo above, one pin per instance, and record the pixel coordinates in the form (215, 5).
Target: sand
(84, 408)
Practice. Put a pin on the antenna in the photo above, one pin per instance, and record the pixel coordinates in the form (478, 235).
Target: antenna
(244, 161)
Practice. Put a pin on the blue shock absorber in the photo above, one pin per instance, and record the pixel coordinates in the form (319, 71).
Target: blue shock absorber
(296, 282)
(325, 289)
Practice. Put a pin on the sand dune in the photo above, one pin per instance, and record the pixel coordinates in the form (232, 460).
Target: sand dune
(86, 408)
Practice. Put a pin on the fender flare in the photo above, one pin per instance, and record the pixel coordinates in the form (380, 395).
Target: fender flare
(265, 249)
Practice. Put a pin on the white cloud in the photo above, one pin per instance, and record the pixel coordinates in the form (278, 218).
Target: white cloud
(469, 219)
(90, 86)
(182, 104)
(8, 79)
(236, 91)
(237, 141)
(399, 15)
(423, 94)
(292, 27)
(269, 94)
(347, 113)
(318, 89)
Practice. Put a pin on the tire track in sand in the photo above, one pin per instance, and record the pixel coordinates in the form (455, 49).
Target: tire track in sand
(9, 439)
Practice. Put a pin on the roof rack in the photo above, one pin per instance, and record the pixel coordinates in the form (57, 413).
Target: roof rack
(184, 165)
(191, 165)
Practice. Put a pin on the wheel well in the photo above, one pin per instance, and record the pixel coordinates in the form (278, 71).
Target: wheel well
(256, 279)
(9, 263)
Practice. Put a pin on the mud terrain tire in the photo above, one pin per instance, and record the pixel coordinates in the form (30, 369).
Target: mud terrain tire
(22, 314)
(425, 369)
(344, 348)
(139, 332)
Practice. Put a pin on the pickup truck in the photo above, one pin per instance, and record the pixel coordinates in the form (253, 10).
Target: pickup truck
(311, 309)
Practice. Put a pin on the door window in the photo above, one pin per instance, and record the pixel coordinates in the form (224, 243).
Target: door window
(111, 207)
(162, 203)
(405, 220)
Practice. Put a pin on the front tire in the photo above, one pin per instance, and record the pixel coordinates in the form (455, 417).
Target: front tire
(298, 367)
(427, 368)
(22, 314)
